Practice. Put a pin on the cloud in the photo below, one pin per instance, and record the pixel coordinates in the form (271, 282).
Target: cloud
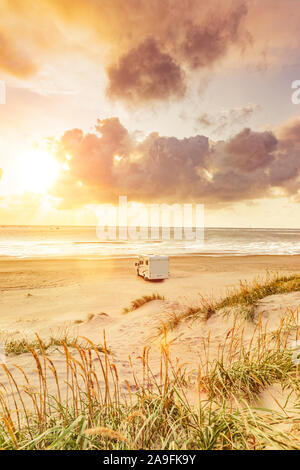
(249, 151)
(149, 72)
(14, 60)
(227, 119)
(147, 49)
(111, 162)
(285, 169)
(145, 74)
(150, 50)
(207, 42)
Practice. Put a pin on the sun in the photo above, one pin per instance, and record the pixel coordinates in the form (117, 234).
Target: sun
(38, 170)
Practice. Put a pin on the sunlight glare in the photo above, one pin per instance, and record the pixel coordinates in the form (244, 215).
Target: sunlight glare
(38, 170)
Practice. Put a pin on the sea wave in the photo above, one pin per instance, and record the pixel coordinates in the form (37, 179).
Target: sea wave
(45, 242)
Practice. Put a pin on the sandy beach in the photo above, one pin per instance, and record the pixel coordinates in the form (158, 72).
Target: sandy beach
(50, 293)
(38, 294)
(86, 298)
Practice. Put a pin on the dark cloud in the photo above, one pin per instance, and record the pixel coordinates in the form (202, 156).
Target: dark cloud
(209, 41)
(249, 151)
(247, 166)
(145, 74)
(162, 167)
(148, 47)
(185, 35)
(285, 169)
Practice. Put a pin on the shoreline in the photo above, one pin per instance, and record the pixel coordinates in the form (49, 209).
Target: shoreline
(96, 258)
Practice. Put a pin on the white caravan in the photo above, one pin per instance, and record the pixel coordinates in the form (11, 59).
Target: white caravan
(153, 267)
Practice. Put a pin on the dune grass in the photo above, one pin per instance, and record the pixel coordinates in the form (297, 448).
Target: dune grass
(20, 346)
(173, 319)
(248, 376)
(248, 293)
(137, 303)
(245, 297)
(156, 417)
(154, 411)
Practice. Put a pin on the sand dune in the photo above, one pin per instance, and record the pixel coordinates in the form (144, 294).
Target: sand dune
(87, 299)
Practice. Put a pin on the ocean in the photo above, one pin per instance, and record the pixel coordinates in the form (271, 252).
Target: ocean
(66, 241)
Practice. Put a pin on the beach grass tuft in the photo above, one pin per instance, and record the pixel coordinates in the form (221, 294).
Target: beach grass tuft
(249, 293)
(243, 299)
(137, 303)
(20, 346)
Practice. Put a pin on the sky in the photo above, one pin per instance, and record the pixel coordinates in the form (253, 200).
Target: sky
(164, 101)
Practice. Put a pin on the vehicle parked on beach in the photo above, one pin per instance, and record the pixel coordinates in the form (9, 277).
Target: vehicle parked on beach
(153, 267)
